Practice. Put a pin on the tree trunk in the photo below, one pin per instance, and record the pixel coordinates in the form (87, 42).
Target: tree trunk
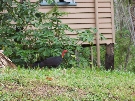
(109, 57)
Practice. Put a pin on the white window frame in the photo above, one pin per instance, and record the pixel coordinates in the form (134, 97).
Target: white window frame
(58, 3)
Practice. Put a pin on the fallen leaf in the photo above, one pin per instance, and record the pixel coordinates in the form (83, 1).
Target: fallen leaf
(49, 78)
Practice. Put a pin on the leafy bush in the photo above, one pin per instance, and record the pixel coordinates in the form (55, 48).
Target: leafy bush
(35, 35)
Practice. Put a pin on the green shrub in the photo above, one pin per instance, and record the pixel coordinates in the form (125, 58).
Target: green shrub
(36, 35)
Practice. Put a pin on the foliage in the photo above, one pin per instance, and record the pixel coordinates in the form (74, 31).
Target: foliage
(126, 2)
(5, 4)
(15, 39)
(124, 47)
(35, 35)
(124, 50)
(66, 84)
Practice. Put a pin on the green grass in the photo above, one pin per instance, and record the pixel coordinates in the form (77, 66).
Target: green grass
(72, 84)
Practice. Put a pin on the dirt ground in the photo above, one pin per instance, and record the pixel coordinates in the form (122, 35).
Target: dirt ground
(43, 91)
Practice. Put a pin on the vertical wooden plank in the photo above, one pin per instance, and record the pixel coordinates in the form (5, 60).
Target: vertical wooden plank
(97, 34)
(112, 13)
(21, 1)
(91, 56)
(109, 57)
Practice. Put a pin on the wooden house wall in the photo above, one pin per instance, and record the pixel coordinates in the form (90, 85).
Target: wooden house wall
(83, 16)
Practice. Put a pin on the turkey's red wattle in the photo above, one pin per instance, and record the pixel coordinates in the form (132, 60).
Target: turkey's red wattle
(63, 53)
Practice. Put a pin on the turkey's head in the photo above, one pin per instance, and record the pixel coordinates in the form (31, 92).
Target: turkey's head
(63, 53)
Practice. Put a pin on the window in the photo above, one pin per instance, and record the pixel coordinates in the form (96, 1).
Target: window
(60, 3)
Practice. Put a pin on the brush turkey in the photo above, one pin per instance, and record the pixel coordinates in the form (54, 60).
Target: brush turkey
(51, 61)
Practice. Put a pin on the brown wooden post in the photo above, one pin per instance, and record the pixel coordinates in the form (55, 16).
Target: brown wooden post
(91, 56)
(97, 34)
(113, 30)
(21, 1)
(133, 3)
(109, 57)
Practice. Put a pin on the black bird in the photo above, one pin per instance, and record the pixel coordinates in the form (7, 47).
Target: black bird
(51, 61)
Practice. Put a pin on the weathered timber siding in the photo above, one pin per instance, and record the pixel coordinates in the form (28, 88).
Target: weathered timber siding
(83, 16)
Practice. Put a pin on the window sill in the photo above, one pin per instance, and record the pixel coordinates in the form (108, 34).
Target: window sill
(58, 4)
